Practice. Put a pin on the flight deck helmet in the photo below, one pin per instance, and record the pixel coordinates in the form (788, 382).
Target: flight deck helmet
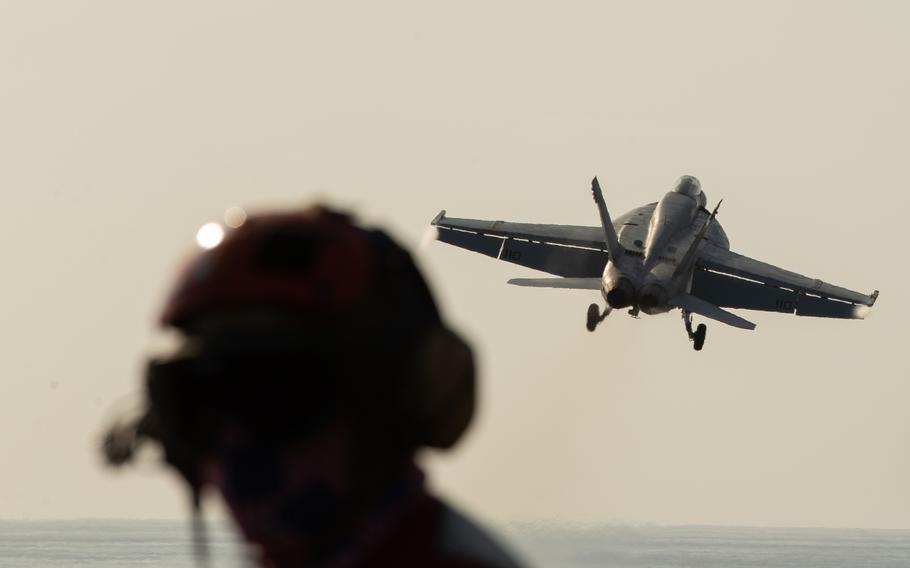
(292, 317)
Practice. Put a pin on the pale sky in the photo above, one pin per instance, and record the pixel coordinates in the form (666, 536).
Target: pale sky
(124, 126)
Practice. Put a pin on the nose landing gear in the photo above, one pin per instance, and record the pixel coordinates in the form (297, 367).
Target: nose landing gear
(595, 317)
(698, 336)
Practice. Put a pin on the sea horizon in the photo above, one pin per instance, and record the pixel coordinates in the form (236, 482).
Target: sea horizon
(128, 543)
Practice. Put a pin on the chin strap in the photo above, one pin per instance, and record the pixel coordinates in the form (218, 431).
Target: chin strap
(200, 537)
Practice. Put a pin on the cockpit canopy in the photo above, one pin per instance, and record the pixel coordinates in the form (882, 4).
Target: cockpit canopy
(690, 186)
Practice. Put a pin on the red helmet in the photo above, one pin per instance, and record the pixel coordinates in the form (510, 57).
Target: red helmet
(372, 333)
(308, 262)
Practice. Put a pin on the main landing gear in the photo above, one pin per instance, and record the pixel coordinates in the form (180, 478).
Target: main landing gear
(595, 317)
(698, 336)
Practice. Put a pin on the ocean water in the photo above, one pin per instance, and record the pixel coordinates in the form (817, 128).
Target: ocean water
(129, 544)
(124, 544)
(710, 547)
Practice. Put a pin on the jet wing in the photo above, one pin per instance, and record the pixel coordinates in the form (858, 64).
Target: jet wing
(727, 279)
(570, 251)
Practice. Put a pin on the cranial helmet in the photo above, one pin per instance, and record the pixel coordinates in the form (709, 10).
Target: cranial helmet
(295, 315)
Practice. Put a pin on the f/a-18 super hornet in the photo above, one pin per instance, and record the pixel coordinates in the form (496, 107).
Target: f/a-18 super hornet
(656, 258)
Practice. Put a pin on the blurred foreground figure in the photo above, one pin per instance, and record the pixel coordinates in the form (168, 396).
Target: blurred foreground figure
(313, 366)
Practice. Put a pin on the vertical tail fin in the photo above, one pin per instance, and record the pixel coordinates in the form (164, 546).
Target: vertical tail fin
(689, 259)
(616, 250)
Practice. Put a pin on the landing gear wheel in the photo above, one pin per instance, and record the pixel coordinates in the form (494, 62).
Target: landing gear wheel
(593, 317)
(699, 336)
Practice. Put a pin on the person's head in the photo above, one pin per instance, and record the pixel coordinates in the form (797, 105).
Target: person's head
(314, 364)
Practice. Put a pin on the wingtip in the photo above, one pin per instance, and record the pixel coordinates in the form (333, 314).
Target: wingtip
(439, 217)
(861, 312)
(874, 297)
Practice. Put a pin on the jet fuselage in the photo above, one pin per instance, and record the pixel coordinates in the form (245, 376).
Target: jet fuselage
(654, 240)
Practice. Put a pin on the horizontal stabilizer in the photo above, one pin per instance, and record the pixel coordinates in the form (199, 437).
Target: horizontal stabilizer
(698, 306)
(569, 283)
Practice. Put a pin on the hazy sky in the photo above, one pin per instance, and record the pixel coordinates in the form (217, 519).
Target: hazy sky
(124, 126)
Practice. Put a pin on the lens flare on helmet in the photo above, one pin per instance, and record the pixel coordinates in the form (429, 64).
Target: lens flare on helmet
(210, 235)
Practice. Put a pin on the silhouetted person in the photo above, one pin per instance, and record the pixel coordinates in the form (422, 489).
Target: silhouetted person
(314, 364)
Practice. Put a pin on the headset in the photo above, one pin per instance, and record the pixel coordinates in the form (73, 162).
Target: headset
(292, 318)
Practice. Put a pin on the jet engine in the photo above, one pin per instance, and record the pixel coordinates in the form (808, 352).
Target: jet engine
(652, 295)
(618, 288)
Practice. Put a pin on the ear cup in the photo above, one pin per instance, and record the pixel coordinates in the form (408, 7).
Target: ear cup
(442, 390)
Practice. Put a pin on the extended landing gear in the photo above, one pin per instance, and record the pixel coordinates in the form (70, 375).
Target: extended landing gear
(698, 336)
(595, 317)
(699, 339)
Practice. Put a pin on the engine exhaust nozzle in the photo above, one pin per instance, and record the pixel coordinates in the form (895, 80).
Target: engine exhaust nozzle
(621, 293)
(652, 296)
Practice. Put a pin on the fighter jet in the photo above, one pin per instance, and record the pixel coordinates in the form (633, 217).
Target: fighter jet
(662, 256)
